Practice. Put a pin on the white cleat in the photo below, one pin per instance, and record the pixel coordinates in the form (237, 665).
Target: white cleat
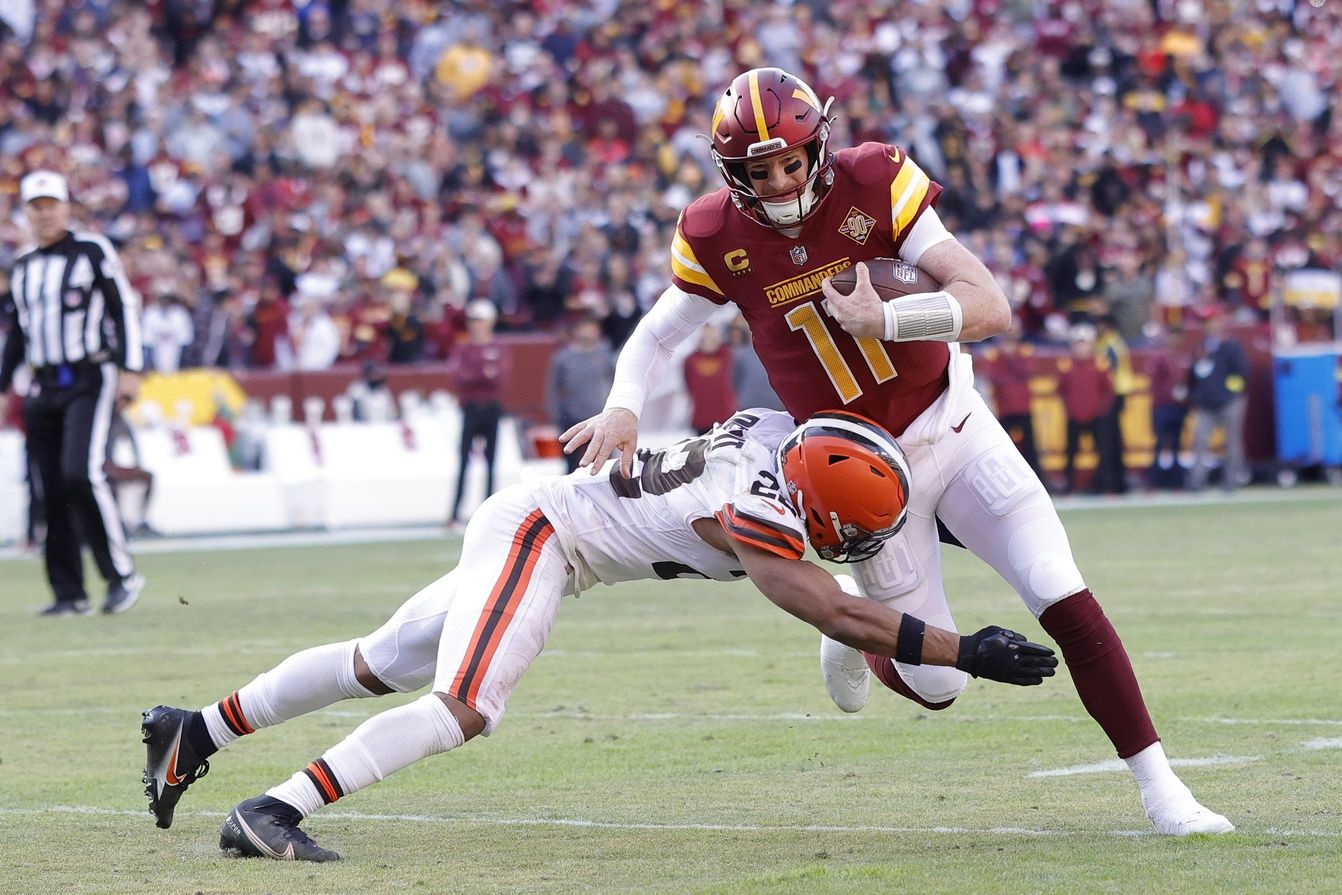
(1184, 817)
(844, 669)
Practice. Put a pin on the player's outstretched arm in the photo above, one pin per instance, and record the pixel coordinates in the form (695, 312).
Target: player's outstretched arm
(811, 594)
(642, 363)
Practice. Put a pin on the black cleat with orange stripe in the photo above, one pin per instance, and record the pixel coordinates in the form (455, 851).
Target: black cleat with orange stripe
(173, 763)
(265, 827)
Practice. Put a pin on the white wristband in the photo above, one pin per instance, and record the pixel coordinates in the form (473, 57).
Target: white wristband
(923, 316)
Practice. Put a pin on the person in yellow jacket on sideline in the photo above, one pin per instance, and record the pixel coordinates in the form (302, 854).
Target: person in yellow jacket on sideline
(1112, 350)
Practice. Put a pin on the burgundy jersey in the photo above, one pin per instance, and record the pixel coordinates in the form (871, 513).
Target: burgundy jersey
(722, 255)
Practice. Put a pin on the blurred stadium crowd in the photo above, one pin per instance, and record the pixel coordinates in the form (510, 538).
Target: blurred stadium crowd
(305, 183)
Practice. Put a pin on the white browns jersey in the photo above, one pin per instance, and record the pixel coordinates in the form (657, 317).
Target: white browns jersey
(616, 529)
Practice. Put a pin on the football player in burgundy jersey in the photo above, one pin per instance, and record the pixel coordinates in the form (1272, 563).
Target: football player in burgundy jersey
(790, 216)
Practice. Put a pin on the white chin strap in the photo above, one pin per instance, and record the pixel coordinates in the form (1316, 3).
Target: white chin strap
(790, 214)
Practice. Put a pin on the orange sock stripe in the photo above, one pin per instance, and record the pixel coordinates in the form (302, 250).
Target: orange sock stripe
(321, 776)
(231, 711)
(528, 541)
(336, 788)
(236, 702)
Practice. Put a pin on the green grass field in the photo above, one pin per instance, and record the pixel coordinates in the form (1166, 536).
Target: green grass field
(676, 737)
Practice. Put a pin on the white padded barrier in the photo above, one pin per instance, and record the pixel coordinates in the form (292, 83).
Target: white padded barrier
(380, 474)
(196, 489)
(404, 472)
(334, 475)
(289, 453)
(13, 491)
(281, 410)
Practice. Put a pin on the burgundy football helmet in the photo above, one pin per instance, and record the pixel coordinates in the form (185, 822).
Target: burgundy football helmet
(764, 113)
(849, 480)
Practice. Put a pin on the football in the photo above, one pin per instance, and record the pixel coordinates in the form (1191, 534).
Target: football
(890, 277)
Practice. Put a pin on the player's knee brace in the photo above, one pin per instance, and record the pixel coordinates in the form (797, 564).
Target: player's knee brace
(937, 685)
(934, 687)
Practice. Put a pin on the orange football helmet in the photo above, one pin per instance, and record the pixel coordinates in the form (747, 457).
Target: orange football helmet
(767, 112)
(848, 480)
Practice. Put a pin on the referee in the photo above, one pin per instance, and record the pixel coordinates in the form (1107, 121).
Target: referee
(77, 322)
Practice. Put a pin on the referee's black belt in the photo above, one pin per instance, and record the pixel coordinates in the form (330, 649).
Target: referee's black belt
(62, 374)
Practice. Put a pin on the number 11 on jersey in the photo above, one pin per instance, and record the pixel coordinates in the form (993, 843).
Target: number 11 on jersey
(806, 318)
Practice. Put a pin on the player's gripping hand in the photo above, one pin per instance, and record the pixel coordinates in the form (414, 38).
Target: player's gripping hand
(859, 312)
(612, 430)
(1002, 655)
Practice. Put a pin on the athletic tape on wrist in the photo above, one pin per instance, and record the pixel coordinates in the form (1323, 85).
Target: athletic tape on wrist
(923, 316)
(909, 649)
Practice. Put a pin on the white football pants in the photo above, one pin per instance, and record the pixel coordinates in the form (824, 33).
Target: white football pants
(977, 482)
(475, 631)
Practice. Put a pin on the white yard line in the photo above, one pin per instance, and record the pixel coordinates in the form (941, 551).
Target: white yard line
(486, 820)
(577, 714)
(1322, 743)
(1117, 764)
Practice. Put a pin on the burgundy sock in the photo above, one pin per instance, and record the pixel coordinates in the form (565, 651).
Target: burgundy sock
(1101, 671)
(884, 669)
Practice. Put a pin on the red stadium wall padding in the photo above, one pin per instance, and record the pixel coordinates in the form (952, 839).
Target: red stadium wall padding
(524, 396)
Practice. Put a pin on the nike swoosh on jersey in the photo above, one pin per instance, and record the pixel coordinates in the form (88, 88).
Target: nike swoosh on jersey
(896, 157)
(956, 429)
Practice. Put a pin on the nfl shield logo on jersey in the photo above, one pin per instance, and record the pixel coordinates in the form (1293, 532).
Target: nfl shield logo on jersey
(798, 254)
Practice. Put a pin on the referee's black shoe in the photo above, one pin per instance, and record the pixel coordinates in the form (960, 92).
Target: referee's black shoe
(67, 609)
(123, 595)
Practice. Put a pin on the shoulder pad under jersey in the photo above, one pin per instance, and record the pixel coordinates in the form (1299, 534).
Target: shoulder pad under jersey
(873, 164)
(705, 216)
(766, 522)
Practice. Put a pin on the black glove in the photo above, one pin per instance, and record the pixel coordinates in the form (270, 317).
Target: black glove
(1002, 655)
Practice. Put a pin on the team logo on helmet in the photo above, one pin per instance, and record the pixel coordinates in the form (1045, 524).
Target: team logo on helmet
(858, 225)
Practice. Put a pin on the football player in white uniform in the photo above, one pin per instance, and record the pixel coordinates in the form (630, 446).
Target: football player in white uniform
(711, 507)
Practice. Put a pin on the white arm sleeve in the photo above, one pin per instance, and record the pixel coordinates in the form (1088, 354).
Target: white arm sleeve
(644, 358)
(926, 233)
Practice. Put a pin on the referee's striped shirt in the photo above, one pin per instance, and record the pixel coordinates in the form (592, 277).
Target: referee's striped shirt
(73, 305)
